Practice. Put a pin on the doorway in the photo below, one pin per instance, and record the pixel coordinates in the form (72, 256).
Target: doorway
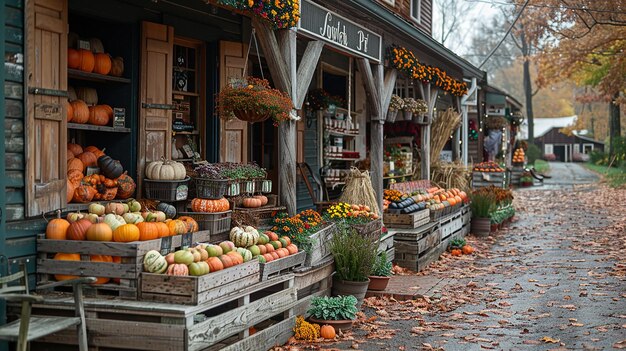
(264, 148)
(559, 152)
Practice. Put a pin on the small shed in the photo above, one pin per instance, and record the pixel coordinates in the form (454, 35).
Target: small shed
(565, 147)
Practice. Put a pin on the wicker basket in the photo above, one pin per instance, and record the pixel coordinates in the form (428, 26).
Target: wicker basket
(217, 222)
(211, 188)
(250, 116)
(166, 190)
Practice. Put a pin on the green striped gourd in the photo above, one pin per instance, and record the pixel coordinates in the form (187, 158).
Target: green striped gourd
(153, 262)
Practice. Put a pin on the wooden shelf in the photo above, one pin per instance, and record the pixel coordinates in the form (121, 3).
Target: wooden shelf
(341, 159)
(183, 159)
(72, 207)
(332, 132)
(78, 126)
(195, 132)
(185, 93)
(94, 77)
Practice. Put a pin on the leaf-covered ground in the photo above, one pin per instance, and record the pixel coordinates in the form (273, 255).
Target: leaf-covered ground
(554, 280)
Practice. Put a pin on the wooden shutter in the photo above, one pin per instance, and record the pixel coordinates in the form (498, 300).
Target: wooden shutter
(234, 134)
(46, 124)
(155, 98)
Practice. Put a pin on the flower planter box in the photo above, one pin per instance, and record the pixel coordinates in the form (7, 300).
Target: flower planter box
(128, 271)
(411, 220)
(281, 265)
(321, 242)
(190, 290)
(371, 230)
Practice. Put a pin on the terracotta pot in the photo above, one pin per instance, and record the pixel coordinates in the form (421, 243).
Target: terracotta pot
(342, 324)
(378, 283)
(481, 226)
(356, 289)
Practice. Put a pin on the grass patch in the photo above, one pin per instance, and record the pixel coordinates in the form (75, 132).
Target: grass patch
(542, 166)
(616, 177)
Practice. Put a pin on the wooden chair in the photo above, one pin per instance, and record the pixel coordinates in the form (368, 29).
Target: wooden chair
(321, 201)
(29, 327)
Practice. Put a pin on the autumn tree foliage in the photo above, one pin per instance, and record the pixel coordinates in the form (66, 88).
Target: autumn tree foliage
(586, 41)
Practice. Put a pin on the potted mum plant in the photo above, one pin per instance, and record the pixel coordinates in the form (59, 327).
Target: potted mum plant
(253, 100)
(381, 273)
(354, 256)
(338, 311)
(396, 104)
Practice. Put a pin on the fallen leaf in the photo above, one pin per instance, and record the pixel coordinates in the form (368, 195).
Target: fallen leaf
(531, 342)
(548, 339)
(620, 345)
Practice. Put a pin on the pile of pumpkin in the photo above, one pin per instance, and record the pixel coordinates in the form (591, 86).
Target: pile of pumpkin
(519, 156)
(94, 60)
(266, 246)
(487, 167)
(459, 247)
(111, 183)
(83, 108)
(255, 201)
(438, 198)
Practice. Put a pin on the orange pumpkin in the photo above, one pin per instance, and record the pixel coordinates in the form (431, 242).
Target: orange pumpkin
(87, 60)
(57, 228)
(126, 233)
(75, 176)
(205, 205)
(293, 249)
(467, 250)
(88, 159)
(117, 67)
(108, 109)
(192, 225)
(66, 257)
(215, 264)
(251, 202)
(236, 257)
(125, 186)
(99, 232)
(78, 229)
(94, 150)
(148, 230)
(102, 64)
(455, 252)
(70, 111)
(263, 199)
(98, 116)
(73, 58)
(70, 190)
(163, 229)
(81, 111)
(227, 261)
(101, 258)
(75, 149)
(327, 332)
(84, 193)
(177, 269)
(75, 164)
(176, 226)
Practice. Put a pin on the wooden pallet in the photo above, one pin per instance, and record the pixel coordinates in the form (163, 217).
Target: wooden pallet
(386, 241)
(281, 265)
(190, 290)
(450, 224)
(223, 323)
(128, 271)
(411, 220)
(414, 234)
(321, 245)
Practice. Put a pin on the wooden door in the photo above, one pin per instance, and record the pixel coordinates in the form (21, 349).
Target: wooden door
(155, 97)
(234, 134)
(46, 123)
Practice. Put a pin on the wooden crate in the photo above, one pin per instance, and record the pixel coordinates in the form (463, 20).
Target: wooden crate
(128, 271)
(411, 220)
(372, 229)
(410, 251)
(386, 241)
(414, 234)
(320, 249)
(485, 179)
(311, 282)
(223, 323)
(450, 224)
(281, 265)
(424, 258)
(190, 290)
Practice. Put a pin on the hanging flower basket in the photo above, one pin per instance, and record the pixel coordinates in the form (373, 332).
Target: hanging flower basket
(391, 115)
(250, 116)
(253, 100)
(407, 115)
(421, 118)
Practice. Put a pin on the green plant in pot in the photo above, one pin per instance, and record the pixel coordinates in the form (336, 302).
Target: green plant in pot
(337, 311)
(482, 205)
(381, 273)
(354, 257)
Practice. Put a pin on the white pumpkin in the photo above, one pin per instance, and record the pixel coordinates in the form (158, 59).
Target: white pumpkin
(154, 262)
(242, 238)
(114, 220)
(166, 170)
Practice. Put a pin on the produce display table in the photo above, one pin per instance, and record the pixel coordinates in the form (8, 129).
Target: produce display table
(221, 323)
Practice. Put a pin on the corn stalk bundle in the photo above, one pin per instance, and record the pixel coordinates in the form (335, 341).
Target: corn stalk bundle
(449, 175)
(359, 190)
(440, 131)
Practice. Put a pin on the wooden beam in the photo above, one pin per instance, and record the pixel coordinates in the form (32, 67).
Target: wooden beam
(307, 69)
(370, 86)
(376, 158)
(390, 83)
(271, 50)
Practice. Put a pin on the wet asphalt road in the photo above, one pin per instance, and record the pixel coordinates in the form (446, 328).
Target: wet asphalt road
(531, 284)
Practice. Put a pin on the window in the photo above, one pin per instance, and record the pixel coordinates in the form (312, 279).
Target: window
(416, 10)
(548, 149)
(588, 148)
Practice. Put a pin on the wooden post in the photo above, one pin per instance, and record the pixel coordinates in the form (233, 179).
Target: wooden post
(376, 158)
(456, 152)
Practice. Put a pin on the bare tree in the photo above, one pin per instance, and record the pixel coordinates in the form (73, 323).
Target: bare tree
(448, 16)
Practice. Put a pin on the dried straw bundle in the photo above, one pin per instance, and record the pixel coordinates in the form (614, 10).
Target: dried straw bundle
(440, 131)
(450, 175)
(359, 190)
